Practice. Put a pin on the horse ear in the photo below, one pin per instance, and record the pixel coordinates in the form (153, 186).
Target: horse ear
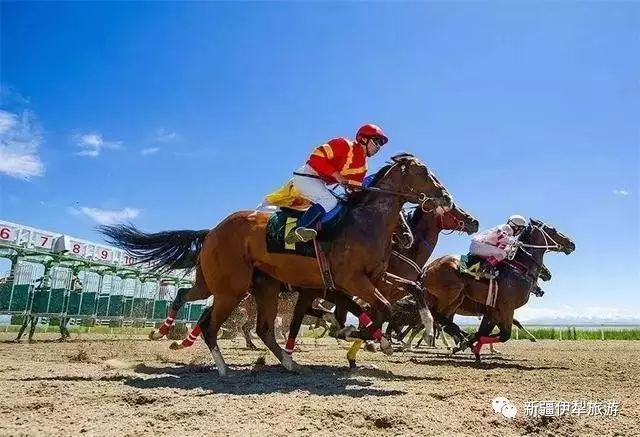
(401, 156)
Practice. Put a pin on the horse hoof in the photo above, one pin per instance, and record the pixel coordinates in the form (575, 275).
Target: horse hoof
(496, 352)
(175, 346)
(153, 335)
(385, 346)
(287, 362)
(300, 369)
(222, 371)
(370, 346)
(252, 347)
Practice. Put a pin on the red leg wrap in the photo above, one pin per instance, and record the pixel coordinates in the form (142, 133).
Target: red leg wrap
(192, 337)
(168, 323)
(365, 320)
(484, 340)
(377, 334)
(291, 344)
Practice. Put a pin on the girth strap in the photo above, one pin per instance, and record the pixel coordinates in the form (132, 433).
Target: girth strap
(325, 268)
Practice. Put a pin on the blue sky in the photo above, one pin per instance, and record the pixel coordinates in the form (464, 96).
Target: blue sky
(173, 115)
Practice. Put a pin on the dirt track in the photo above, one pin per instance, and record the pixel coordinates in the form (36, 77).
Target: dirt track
(137, 387)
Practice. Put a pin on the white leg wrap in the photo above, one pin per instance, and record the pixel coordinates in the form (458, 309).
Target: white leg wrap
(427, 321)
(220, 364)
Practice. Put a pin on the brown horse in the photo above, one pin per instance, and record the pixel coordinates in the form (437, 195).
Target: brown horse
(406, 262)
(404, 315)
(230, 254)
(449, 286)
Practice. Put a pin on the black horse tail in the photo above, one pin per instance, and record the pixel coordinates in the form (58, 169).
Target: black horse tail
(165, 251)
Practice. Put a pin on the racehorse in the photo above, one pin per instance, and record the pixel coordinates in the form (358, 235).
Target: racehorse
(425, 227)
(228, 256)
(404, 314)
(449, 286)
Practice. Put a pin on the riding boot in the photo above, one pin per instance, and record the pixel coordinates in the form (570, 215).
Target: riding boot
(305, 231)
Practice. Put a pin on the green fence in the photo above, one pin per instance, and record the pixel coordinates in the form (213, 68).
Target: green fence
(60, 302)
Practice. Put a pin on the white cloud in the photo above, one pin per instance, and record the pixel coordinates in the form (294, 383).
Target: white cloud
(149, 151)
(9, 95)
(164, 136)
(566, 312)
(20, 139)
(106, 216)
(92, 144)
(620, 192)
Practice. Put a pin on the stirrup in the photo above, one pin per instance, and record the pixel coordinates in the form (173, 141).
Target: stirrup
(301, 235)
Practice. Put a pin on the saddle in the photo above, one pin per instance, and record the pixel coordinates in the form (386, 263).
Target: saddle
(471, 265)
(285, 219)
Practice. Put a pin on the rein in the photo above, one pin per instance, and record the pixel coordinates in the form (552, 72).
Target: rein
(546, 247)
(408, 260)
(460, 227)
(422, 199)
(547, 238)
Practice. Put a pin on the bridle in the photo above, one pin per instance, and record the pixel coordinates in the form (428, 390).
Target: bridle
(460, 227)
(546, 246)
(419, 198)
(547, 238)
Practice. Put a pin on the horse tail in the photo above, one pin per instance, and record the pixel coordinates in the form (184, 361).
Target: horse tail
(168, 250)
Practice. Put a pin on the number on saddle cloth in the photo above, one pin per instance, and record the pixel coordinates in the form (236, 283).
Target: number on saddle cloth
(283, 220)
(470, 264)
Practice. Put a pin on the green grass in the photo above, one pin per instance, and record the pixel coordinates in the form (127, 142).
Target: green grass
(572, 333)
(541, 333)
(123, 330)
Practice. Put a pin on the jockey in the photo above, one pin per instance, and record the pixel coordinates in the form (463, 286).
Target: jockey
(338, 161)
(494, 244)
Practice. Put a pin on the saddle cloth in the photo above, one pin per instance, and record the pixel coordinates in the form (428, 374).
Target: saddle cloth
(285, 219)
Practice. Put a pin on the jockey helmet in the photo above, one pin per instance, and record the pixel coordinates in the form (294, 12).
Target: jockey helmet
(517, 220)
(371, 131)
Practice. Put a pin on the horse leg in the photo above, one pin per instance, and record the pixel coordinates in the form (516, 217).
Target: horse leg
(444, 338)
(402, 334)
(303, 305)
(359, 337)
(212, 320)
(198, 292)
(246, 327)
(414, 333)
(529, 334)
(340, 314)
(195, 332)
(483, 336)
(266, 294)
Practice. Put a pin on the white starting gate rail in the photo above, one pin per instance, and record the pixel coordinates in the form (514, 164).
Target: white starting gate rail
(21, 236)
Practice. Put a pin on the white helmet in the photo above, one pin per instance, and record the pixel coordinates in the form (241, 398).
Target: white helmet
(517, 220)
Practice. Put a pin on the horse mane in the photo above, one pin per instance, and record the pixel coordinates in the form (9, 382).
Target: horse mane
(529, 228)
(379, 174)
(356, 197)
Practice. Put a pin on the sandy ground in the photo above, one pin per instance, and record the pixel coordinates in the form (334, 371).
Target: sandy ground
(132, 386)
